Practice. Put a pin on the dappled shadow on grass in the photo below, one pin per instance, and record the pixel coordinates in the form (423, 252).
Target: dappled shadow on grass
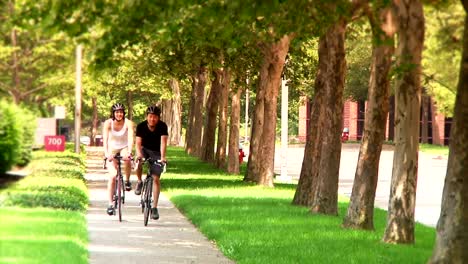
(8, 179)
(271, 230)
(201, 183)
(251, 224)
(192, 166)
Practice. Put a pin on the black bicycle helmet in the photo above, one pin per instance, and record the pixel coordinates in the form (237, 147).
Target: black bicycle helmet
(115, 107)
(153, 110)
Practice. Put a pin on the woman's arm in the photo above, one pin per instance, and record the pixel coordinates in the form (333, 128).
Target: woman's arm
(105, 137)
(130, 136)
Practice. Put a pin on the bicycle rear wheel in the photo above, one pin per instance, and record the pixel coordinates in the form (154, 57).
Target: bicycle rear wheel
(147, 200)
(119, 196)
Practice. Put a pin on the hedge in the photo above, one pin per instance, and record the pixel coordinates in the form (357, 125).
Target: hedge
(56, 181)
(9, 136)
(17, 127)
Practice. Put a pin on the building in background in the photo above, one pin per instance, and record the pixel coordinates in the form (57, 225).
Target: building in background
(434, 127)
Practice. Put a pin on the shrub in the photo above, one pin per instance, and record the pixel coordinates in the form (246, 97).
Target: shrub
(9, 136)
(56, 181)
(51, 192)
(27, 125)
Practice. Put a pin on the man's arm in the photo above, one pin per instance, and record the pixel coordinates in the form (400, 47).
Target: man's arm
(138, 152)
(163, 147)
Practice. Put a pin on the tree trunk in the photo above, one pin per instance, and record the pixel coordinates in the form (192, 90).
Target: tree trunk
(425, 101)
(361, 207)
(130, 105)
(209, 135)
(176, 114)
(452, 229)
(332, 49)
(171, 113)
(257, 130)
(269, 83)
(16, 92)
(400, 218)
(233, 155)
(95, 123)
(305, 190)
(223, 120)
(195, 121)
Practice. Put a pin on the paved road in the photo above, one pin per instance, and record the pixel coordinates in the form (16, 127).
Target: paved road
(431, 175)
(171, 239)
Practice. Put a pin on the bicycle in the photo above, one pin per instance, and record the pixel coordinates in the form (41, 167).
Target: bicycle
(147, 189)
(119, 192)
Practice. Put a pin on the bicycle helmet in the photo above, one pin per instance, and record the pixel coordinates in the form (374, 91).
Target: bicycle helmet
(153, 110)
(116, 107)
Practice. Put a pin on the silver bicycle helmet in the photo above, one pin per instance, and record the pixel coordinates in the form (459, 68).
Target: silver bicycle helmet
(153, 110)
(116, 107)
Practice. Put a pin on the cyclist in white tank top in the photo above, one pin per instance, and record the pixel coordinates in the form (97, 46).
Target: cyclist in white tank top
(118, 138)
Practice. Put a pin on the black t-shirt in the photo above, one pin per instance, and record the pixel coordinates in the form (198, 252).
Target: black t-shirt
(151, 139)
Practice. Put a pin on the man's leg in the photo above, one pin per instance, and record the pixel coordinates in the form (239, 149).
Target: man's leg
(156, 191)
(139, 184)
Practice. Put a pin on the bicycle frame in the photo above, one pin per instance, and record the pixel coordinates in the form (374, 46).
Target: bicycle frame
(147, 190)
(119, 193)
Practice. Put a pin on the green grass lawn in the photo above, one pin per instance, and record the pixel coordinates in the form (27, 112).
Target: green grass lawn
(252, 224)
(434, 149)
(42, 216)
(42, 235)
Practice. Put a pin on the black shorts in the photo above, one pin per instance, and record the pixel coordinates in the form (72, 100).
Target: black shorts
(156, 169)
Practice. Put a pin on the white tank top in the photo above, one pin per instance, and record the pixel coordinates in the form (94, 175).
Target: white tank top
(118, 139)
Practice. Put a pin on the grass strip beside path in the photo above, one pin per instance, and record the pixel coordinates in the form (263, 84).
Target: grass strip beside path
(43, 214)
(252, 224)
(42, 235)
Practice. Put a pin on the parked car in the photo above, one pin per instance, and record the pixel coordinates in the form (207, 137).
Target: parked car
(85, 140)
(345, 135)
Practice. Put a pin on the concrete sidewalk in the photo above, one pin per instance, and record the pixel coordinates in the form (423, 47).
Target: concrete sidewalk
(431, 176)
(171, 239)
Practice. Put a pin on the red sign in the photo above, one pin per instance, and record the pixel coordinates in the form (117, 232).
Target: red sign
(54, 143)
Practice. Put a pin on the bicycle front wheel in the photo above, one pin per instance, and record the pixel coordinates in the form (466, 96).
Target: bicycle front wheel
(119, 196)
(147, 201)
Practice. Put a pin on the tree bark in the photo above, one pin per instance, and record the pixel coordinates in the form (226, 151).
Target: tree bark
(400, 218)
(16, 79)
(209, 135)
(194, 133)
(223, 120)
(425, 101)
(360, 213)
(274, 56)
(332, 49)
(130, 105)
(452, 229)
(233, 155)
(305, 190)
(95, 123)
(257, 130)
(171, 113)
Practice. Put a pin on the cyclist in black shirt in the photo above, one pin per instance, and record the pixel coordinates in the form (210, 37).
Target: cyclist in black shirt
(151, 141)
